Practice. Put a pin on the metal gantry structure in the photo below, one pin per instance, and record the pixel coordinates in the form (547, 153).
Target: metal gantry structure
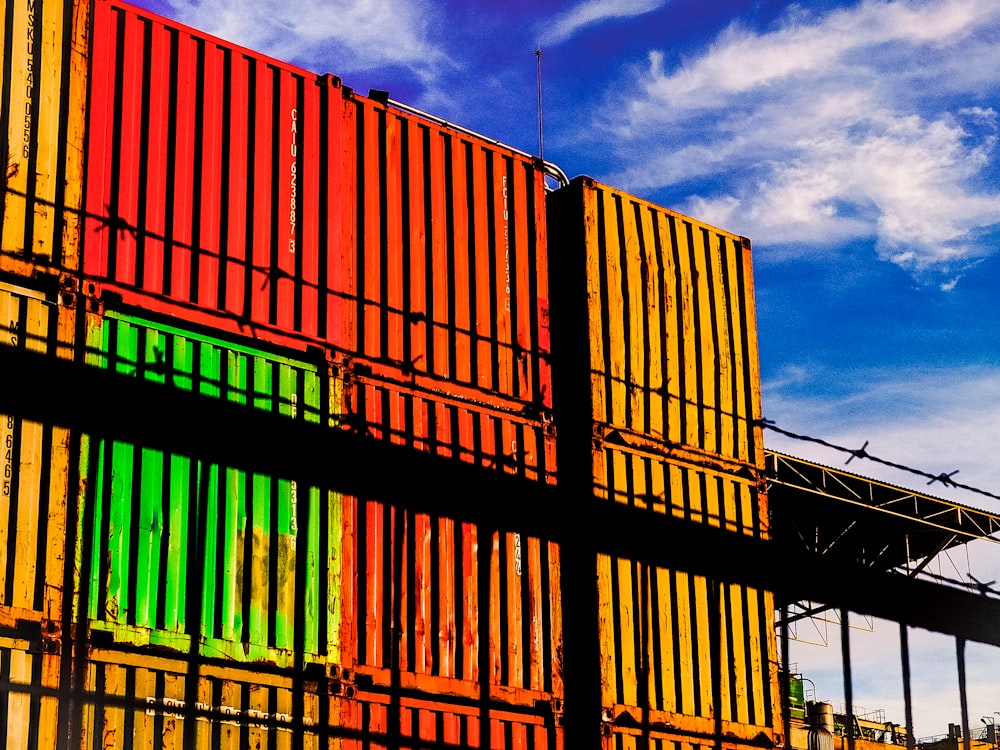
(867, 524)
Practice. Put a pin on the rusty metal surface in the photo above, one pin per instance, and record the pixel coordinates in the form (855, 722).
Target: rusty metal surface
(657, 315)
(307, 214)
(44, 75)
(134, 702)
(147, 406)
(30, 692)
(383, 721)
(178, 553)
(34, 471)
(655, 344)
(686, 652)
(140, 701)
(187, 554)
(247, 594)
(505, 438)
(449, 603)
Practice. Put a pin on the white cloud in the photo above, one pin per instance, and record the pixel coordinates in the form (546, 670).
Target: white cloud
(590, 12)
(856, 124)
(346, 35)
(904, 181)
(742, 60)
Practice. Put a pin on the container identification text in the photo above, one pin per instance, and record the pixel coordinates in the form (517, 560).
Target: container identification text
(29, 83)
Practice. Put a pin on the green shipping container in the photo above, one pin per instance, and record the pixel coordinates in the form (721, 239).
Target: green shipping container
(796, 698)
(186, 554)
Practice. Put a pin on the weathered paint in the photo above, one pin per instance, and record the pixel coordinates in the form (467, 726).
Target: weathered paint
(29, 693)
(144, 701)
(667, 332)
(656, 343)
(42, 126)
(452, 606)
(507, 439)
(134, 702)
(634, 738)
(204, 177)
(684, 651)
(183, 553)
(34, 467)
(410, 721)
(241, 193)
(450, 276)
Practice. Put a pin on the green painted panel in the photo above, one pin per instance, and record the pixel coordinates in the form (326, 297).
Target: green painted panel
(184, 553)
(206, 364)
(796, 697)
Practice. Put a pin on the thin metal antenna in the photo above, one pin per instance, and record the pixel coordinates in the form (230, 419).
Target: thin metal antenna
(541, 147)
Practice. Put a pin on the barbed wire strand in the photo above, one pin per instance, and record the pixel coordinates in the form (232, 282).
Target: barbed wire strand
(862, 452)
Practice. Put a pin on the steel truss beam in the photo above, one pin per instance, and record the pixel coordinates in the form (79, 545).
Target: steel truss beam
(857, 519)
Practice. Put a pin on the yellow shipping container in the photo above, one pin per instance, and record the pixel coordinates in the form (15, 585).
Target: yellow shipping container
(44, 78)
(34, 469)
(29, 693)
(658, 388)
(668, 322)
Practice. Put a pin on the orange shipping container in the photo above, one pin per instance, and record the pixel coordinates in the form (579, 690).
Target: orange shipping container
(238, 192)
(42, 126)
(34, 471)
(657, 331)
(658, 393)
(451, 608)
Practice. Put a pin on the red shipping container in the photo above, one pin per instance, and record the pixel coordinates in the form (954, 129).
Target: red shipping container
(381, 722)
(446, 608)
(236, 191)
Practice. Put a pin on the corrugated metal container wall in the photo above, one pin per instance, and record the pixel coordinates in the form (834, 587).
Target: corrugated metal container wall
(42, 125)
(671, 334)
(448, 608)
(686, 652)
(417, 723)
(29, 691)
(34, 468)
(175, 547)
(234, 190)
(206, 167)
(132, 701)
(141, 702)
(454, 630)
(654, 328)
(451, 289)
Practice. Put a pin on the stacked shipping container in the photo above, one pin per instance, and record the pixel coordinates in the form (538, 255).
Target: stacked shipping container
(204, 568)
(655, 336)
(193, 215)
(252, 196)
(36, 472)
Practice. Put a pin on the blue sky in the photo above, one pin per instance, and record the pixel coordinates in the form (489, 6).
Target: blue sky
(855, 143)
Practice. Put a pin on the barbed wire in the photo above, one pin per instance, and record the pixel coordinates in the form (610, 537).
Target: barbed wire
(945, 479)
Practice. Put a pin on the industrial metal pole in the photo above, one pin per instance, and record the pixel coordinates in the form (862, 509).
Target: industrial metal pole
(541, 145)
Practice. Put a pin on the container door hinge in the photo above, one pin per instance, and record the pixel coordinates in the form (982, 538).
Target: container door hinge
(51, 637)
(552, 710)
(341, 682)
(331, 679)
(622, 719)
